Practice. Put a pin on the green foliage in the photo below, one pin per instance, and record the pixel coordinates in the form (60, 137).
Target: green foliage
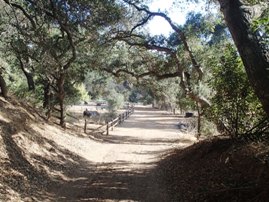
(233, 102)
(115, 101)
(141, 94)
(134, 96)
(96, 84)
(185, 103)
(83, 92)
(261, 27)
(76, 93)
(18, 86)
(148, 99)
(48, 42)
(208, 128)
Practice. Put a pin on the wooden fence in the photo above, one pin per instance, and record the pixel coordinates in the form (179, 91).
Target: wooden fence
(110, 125)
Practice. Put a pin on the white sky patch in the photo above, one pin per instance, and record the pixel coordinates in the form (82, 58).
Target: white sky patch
(159, 26)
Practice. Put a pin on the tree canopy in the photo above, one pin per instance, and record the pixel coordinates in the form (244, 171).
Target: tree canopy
(54, 51)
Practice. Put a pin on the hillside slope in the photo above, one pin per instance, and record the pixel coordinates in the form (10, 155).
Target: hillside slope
(30, 162)
(217, 170)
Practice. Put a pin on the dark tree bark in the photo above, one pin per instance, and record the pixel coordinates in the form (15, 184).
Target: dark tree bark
(61, 97)
(3, 87)
(252, 54)
(199, 120)
(47, 98)
(29, 76)
(30, 81)
(46, 94)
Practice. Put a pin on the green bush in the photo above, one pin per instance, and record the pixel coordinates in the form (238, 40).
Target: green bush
(115, 101)
(234, 102)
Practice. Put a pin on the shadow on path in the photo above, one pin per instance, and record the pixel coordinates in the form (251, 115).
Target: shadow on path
(107, 183)
(128, 180)
(63, 175)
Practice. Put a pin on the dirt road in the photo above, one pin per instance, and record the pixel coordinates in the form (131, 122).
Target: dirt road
(120, 167)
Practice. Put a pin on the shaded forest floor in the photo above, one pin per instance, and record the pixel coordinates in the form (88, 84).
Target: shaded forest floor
(145, 159)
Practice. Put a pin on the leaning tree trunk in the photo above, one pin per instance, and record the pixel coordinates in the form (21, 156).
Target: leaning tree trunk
(30, 81)
(46, 94)
(61, 97)
(249, 48)
(3, 87)
(29, 76)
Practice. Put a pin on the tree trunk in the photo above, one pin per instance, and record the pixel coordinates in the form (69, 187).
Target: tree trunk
(198, 121)
(28, 75)
(249, 48)
(30, 81)
(3, 87)
(61, 97)
(46, 94)
(47, 98)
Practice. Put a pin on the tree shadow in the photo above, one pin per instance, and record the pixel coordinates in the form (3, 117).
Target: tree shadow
(61, 175)
(109, 182)
(69, 177)
(22, 172)
(139, 141)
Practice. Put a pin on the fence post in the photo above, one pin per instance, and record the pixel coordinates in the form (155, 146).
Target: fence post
(85, 126)
(107, 128)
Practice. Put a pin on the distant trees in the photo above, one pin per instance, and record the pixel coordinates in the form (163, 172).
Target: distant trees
(49, 34)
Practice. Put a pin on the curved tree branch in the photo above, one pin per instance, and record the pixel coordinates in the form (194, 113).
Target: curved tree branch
(65, 29)
(180, 33)
(23, 11)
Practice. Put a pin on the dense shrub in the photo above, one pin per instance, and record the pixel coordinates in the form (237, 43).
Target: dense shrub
(234, 102)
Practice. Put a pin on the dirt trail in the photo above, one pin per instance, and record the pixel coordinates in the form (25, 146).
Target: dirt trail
(42, 162)
(120, 167)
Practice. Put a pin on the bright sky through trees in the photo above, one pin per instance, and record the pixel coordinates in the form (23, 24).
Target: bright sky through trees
(177, 13)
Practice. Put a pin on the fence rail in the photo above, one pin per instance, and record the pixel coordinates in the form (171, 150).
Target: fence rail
(110, 125)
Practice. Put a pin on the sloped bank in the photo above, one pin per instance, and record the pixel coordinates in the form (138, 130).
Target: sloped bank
(216, 170)
(32, 166)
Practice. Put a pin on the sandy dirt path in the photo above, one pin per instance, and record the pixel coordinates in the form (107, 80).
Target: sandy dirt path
(120, 167)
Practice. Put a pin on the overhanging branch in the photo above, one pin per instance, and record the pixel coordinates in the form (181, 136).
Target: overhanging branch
(69, 36)
(180, 33)
(23, 11)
